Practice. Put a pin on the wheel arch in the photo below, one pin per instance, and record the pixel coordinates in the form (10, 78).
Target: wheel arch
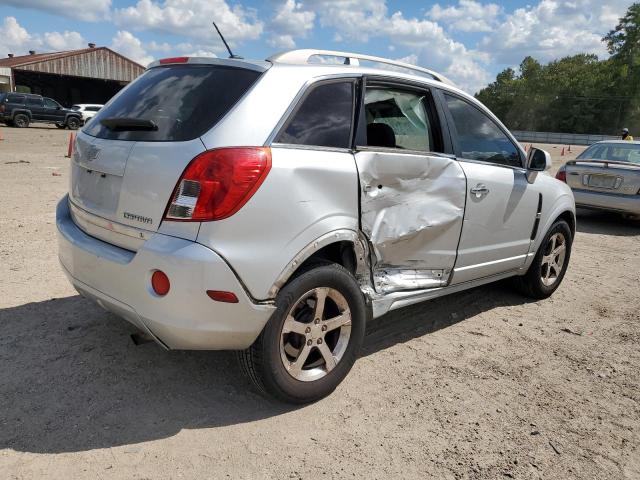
(69, 115)
(569, 217)
(343, 247)
(24, 112)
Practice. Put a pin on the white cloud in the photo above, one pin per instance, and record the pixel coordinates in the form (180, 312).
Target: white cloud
(192, 19)
(17, 40)
(468, 16)
(553, 29)
(361, 20)
(128, 45)
(64, 41)
(290, 21)
(89, 10)
(13, 35)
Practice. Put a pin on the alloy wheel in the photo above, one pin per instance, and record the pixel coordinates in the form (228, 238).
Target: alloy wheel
(553, 259)
(315, 334)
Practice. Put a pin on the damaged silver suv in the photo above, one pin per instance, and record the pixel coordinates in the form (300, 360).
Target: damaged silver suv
(272, 207)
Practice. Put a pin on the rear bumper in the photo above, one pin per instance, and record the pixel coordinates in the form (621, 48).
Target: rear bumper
(186, 318)
(608, 201)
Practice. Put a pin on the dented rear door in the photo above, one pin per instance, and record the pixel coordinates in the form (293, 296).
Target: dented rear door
(412, 211)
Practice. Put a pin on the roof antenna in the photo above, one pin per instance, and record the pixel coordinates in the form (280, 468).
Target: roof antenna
(231, 55)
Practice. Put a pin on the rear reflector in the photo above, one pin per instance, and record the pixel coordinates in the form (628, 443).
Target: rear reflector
(164, 61)
(217, 183)
(219, 296)
(160, 283)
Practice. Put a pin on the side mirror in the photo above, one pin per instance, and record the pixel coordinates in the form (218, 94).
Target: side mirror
(537, 161)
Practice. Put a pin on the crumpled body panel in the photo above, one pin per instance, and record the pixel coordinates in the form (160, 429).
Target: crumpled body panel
(412, 213)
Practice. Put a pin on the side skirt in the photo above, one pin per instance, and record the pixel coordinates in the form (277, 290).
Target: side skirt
(392, 301)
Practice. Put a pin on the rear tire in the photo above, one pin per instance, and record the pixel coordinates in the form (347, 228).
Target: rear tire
(73, 123)
(313, 338)
(550, 263)
(21, 120)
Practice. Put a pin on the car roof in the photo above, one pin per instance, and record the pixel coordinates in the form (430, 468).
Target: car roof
(624, 142)
(292, 60)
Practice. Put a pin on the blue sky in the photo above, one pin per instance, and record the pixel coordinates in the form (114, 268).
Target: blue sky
(468, 40)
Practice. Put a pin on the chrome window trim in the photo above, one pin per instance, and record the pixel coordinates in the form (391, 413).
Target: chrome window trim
(482, 162)
(320, 148)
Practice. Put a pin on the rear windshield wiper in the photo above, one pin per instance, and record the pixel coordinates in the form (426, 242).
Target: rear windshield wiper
(123, 124)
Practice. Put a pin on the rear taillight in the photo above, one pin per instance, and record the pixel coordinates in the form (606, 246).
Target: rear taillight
(216, 184)
(562, 175)
(1, 108)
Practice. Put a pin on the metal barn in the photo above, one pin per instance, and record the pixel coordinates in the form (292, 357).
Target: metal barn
(90, 75)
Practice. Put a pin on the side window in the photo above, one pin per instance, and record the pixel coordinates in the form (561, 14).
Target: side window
(34, 101)
(479, 137)
(323, 119)
(48, 103)
(15, 99)
(401, 119)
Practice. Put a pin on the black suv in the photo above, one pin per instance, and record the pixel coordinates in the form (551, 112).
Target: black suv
(20, 109)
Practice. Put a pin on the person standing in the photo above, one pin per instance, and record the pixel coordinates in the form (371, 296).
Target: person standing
(626, 136)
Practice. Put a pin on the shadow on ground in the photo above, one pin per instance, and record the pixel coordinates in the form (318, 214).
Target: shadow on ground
(606, 223)
(72, 380)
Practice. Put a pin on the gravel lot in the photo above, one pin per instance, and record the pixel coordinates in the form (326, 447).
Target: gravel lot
(484, 384)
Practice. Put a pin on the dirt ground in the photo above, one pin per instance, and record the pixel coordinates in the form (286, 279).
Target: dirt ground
(483, 384)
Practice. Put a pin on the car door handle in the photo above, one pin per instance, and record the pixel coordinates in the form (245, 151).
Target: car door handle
(479, 190)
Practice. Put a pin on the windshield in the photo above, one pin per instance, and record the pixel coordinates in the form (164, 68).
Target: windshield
(182, 101)
(616, 152)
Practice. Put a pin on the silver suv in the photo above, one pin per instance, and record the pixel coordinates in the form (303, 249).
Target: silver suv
(273, 207)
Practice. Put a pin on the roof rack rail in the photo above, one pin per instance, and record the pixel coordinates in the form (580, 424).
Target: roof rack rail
(302, 56)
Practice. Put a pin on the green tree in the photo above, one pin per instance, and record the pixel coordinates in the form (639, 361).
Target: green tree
(623, 44)
(576, 94)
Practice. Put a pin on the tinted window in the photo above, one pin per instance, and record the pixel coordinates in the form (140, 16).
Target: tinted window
(479, 137)
(399, 119)
(15, 98)
(76, 107)
(92, 109)
(34, 101)
(48, 103)
(323, 119)
(184, 101)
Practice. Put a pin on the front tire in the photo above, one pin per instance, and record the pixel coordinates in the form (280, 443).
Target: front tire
(550, 263)
(313, 338)
(73, 123)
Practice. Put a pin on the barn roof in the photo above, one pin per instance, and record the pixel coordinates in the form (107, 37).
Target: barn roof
(96, 62)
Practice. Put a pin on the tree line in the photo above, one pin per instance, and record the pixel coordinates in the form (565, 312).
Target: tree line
(576, 94)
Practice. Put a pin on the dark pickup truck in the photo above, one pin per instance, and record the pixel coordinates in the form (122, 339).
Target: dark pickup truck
(21, 109)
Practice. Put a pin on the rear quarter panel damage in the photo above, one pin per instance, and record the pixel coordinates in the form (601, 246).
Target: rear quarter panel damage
(306, 195)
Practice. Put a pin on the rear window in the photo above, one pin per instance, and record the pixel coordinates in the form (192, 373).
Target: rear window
(184, 102)
(617, 152)
(15, 98)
